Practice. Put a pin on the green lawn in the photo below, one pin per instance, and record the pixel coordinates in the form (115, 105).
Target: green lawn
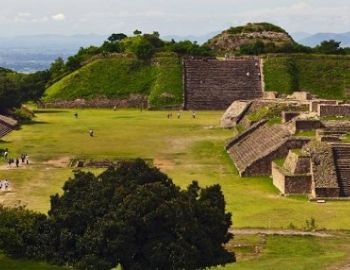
(186, 149)
(258, 252)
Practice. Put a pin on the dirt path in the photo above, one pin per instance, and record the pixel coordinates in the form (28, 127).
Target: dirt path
(278, 232)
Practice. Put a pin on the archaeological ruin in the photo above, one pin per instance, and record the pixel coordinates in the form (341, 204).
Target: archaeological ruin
(302, 142)
(213, 84)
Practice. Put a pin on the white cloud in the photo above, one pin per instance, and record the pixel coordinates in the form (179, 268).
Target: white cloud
(58, 17)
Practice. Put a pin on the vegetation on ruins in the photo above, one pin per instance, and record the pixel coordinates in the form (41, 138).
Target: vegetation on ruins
(132, 215)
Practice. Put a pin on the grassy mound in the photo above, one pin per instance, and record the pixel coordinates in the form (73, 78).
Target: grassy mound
(324, 76)
(120, 77)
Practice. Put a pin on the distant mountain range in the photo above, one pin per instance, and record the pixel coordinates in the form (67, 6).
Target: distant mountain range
(32, 53)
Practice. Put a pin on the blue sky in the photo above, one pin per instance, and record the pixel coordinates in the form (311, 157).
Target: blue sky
(181, 17)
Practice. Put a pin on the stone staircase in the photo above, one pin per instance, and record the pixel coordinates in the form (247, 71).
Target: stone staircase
(213, 84)
(342, 160)
(4, 129)
(258, 144)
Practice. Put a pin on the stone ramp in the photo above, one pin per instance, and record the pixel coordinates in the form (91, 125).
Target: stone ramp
(341, 153)
(260, 143)
(214, 84)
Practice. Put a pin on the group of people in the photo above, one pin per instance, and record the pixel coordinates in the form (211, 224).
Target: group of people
(170, 115)
(4, 185)
(24, 159)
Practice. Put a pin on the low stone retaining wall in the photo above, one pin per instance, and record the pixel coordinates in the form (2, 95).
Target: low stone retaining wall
(331, 110)
(301, 124)
(134, 101)
(287, 116)
(314, 104)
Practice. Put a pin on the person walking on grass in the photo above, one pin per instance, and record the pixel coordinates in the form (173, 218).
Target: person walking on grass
(91, 132)
(6, 184)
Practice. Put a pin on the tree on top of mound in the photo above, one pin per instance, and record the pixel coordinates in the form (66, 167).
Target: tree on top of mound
(135, 216)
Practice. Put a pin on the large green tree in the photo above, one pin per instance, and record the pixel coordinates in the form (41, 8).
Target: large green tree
(134, 216)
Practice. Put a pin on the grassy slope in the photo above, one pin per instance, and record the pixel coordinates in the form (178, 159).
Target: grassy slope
(325, 76)
(167, 88)
(119, 77)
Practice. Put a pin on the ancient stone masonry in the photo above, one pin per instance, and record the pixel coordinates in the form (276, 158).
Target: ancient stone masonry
(6, 125)
(213, 84)
(331, 110)
(289, 183)
(341, 153)
(254, 151)
(324, 176)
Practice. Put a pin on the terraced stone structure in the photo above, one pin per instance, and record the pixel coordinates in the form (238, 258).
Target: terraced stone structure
(254, 150)
(6, 125)
(214, 84)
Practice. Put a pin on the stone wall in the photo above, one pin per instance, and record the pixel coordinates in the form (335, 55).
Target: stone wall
(314, 104)
(290, 184)
(262, 166)
(331, 110)
(307, 124)
(287, 116)
(297, 163)
(213, 84)
(134, 101)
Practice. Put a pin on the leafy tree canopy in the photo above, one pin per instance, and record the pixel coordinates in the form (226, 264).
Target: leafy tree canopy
(134, 216)
(330, 47)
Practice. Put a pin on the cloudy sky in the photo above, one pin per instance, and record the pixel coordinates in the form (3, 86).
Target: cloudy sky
(181, 17)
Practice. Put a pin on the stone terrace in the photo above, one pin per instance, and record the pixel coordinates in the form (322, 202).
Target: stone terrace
(213, 84)
(258, 144)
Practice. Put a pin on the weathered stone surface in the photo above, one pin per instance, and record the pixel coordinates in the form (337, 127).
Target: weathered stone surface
(297, 163)
(6, 125)
(234, 113)
(341, 153)
(307, 124)
(300, 95)
(314, 104)
(324, 175)
(213, 84)
(287, 116)
(332, 110)
(289, 183)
